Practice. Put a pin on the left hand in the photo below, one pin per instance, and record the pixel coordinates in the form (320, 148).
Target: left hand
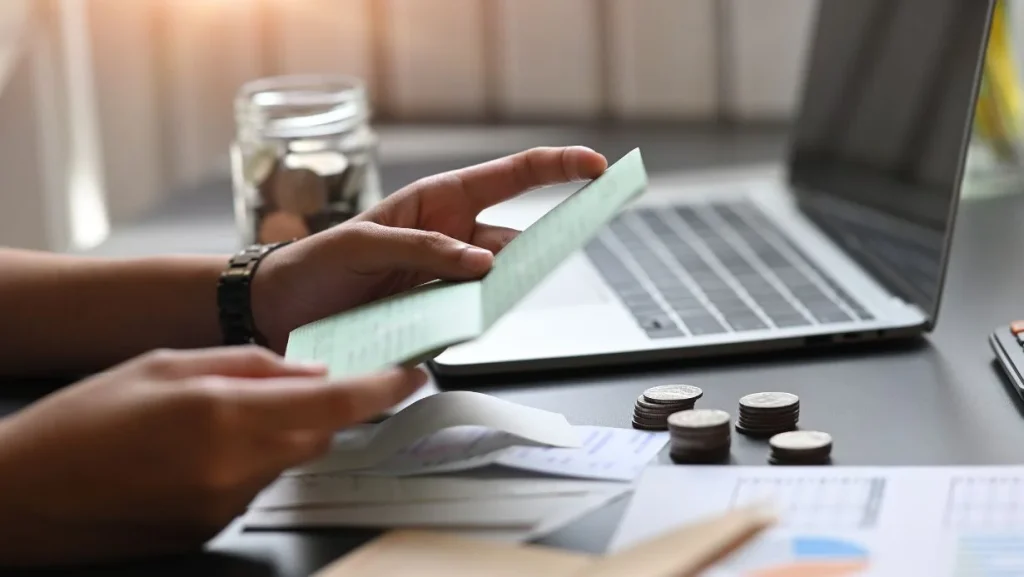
(425, 231)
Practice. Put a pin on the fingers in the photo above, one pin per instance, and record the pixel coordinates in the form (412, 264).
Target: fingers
(284, 451)
(377, 248)
(241, 362)
(492, 182)
(492, 238)
(297, 404)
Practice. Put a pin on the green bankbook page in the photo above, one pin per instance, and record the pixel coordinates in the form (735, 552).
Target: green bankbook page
(392, 331)
(419, 324)
(565, 229)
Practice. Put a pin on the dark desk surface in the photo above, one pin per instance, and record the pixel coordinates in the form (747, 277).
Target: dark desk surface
(939, 401)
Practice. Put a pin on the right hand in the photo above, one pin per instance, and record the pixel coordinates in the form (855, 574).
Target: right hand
(158, 454)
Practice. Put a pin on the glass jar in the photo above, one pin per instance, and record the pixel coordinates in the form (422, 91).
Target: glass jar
(304, 156)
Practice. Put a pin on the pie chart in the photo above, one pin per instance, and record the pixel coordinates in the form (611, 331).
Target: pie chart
(817, 557)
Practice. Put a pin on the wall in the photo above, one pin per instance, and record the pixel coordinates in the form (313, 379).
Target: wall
(146, 103)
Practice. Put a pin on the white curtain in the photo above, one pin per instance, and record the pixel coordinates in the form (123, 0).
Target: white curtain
(145, 87)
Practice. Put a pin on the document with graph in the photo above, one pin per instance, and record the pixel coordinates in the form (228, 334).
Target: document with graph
(417, 325)
(847, 521)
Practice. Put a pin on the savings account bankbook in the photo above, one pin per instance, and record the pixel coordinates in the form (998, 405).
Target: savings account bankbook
(419, 324)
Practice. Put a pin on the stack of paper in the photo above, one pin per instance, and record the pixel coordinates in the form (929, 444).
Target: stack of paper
(496, 483)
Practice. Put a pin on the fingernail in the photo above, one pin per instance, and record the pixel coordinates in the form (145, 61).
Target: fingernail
(476, 259)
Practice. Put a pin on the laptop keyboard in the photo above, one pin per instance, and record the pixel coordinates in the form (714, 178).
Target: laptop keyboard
(714, 268)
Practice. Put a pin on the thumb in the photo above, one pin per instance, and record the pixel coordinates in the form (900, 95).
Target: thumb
(383, 248)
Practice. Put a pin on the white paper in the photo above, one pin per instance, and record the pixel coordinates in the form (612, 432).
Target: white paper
(863, 521)
(523, 516)
(338, 490)
(368, 446)
(606, 453)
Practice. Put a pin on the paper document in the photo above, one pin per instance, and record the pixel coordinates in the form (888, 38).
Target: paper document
(606, 453)
(339, 490)
(856, 521)
(419, 324)
(520, 517)
(367, 446)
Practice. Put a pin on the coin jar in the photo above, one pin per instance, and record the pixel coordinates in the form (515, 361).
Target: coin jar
(304, 157)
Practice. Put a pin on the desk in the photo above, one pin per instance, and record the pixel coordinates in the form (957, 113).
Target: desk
(938, 401)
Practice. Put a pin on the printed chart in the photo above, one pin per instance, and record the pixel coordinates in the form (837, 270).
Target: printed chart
(803, 556)
(987, 512)
(986, 504)
(831, 503)
(990, 556)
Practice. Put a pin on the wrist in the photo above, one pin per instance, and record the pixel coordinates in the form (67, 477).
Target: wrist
(236, 295)
(268, 298)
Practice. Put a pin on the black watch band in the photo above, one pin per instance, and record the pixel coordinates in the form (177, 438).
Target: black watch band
(234, 295)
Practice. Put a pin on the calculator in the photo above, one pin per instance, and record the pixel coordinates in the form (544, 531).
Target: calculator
(1008, 344)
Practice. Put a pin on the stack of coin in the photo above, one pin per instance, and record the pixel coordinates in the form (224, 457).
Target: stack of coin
(652, 408)
(801, 448)
(766, 414)
(700, 436)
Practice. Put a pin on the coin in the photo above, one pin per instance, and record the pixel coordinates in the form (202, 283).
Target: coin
(699, 435)
(699, 419)
(259, 166)
(331, 167)
(281, 226)
(769, 401)
(644, 426)
(655, 404)
(801, 447)
(799, 441)
(715, 455)
(300, 191)
(667, 394)
(767, 413)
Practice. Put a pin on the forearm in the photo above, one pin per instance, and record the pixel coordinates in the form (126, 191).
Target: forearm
(63, 314)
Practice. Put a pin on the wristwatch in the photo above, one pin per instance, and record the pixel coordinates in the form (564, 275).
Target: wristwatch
(234, 296)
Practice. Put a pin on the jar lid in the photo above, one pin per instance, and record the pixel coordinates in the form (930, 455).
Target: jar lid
(300, 106)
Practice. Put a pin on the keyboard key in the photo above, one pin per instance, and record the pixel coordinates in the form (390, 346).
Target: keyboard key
(836, 316)
(733, 307)
(691, 313)
(646, 310)
(635, 290)
(786, 321)
(745, 323)
(863, 314)
(655, 322)
(704, 326)
(678, 291)
(667, 333)
(687, 305)
(638, 299)
(779, 310)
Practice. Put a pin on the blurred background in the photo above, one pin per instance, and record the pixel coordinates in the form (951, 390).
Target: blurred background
(109, 108)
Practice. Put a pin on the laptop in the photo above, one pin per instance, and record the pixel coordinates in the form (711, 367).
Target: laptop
(847, 242)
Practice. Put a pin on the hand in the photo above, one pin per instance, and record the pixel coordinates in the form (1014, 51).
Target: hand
(425, 231)
(157, 455)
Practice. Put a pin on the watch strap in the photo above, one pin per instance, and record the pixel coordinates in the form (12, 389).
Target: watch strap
(234, 294)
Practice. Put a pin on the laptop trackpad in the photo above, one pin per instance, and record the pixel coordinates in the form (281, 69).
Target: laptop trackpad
(573, 284)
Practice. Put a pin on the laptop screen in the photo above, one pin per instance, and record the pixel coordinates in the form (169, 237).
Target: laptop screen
(879, 145)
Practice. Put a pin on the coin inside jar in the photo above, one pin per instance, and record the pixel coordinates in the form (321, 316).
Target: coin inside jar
(299, 191)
